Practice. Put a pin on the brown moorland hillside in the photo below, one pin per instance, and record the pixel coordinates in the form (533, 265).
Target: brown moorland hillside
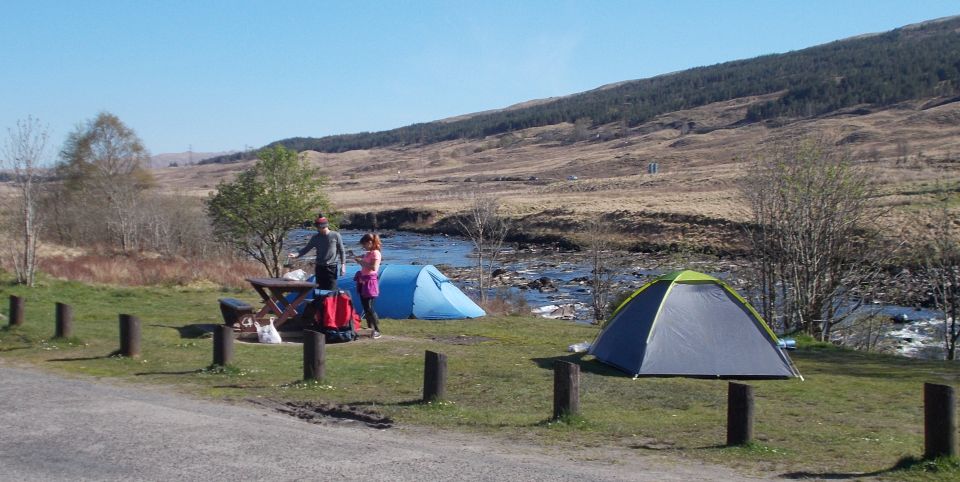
(702, 155)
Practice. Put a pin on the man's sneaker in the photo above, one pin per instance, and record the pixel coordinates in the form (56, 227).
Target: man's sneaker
(376, 334)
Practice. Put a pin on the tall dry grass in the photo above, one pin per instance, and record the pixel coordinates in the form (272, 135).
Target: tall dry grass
(140, 270)
(504, 302)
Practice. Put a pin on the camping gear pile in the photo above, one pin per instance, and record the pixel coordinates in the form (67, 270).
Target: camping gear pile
(335, 316)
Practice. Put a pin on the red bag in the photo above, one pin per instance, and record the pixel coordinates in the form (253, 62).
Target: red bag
(335, 311)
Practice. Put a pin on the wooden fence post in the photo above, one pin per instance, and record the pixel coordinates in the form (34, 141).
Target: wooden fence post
(566, 389)
(739, 414)
(314, 355)
(64, 316)
(434, 376)
(939, 421)
(222, 345)
(129, 336)
(16, 310)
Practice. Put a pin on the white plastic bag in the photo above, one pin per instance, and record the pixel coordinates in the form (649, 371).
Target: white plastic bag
(268, 333)
(296, 275)
(579, 347)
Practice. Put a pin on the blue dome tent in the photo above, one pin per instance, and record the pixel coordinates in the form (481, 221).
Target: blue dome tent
(412, 291)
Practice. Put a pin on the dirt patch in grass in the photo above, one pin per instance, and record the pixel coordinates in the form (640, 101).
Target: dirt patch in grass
(461, 339)
(327, 413)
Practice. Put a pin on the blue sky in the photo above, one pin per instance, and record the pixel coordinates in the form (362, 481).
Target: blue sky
(221, 75)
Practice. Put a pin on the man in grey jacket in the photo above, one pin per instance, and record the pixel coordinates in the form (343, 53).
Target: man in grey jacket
(330, 254)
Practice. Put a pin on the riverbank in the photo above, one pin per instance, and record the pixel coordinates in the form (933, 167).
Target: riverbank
(642, 242)
(642, 232)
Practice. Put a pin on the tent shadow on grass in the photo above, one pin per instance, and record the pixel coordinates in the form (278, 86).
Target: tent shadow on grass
(866, 365)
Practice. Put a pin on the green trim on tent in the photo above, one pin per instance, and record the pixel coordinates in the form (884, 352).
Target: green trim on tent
(752, 310)
(631, 297)
(656, 316)
(687, 276)
(690, 277)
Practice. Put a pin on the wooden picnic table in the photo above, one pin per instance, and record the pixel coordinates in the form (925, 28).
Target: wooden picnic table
(273, 291)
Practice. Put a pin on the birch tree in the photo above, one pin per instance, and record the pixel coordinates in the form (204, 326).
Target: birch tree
(24, 153)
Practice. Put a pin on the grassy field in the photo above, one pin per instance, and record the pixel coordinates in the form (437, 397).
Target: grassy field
(855, 413)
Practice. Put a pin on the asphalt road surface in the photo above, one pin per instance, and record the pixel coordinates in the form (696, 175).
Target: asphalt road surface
(55, 428)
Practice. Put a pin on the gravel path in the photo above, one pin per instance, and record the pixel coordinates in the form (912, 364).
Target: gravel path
(56, 428)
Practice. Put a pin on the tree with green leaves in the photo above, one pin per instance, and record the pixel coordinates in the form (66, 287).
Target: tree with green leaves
(255, 212)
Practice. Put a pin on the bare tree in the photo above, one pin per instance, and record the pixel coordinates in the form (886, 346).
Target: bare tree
(486, 229)
(903, 151)
(176, 225)
(598, 248)
(814, 235)
(942, 273)
(24, 152)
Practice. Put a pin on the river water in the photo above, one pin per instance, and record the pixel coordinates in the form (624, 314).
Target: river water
(456, 258)
(569, 273)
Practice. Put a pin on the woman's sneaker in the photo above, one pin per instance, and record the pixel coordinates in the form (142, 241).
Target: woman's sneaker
(376, 334)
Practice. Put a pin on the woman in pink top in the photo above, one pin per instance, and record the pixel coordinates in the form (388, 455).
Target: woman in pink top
(368, 285)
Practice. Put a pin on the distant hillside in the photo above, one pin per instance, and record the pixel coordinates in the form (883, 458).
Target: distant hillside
(914, 62)
(184, 158)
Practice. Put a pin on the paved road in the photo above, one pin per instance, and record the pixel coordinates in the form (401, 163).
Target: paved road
(54, 428)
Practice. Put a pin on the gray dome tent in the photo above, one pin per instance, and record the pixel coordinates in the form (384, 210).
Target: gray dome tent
(692, 325)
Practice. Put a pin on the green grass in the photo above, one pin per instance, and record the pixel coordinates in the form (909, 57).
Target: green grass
(856, 413)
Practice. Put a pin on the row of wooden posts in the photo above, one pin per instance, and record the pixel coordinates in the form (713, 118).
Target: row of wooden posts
(939, 401)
